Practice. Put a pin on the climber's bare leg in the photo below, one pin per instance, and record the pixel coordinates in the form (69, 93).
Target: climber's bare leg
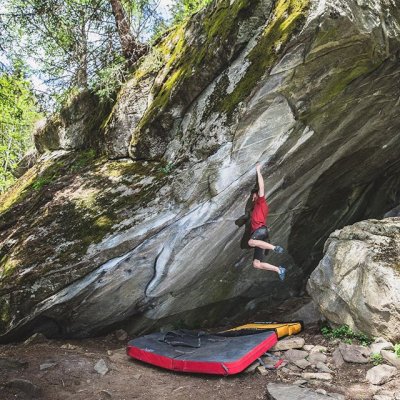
(261, 244)
(262, 265)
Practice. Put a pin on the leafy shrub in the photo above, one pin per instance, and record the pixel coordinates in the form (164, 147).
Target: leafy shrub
(397, 349)
(376, 359)
(345, 333)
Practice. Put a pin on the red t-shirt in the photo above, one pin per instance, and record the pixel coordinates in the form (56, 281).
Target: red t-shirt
(259, 214)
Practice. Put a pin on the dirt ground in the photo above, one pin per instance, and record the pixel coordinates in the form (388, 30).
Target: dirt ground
(73, 376)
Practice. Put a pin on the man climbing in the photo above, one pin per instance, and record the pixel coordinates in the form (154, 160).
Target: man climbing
(259, 230)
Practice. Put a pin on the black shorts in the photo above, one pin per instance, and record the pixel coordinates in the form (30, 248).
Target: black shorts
(260, 234)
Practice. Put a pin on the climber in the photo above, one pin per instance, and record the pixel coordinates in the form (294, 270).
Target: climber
(259, 230)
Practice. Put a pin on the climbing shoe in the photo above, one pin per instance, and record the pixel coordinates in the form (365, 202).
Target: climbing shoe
(282, 273)
(278, 249)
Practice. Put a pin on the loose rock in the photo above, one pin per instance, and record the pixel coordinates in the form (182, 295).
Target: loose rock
(300, 382)
(36, 338)
(121, 335)
(101, 367)
(69, 346)
(380, 344)
(315, 358)
(322, 376)
(105, 394)
(354, 354)
(337, 358)
(251, 368)
(381, 374)
(323, 367)
(319, 349)
(391, 358)
(281, 391)
(289, 343)
(45, 366)
(303, 363)
(293, 355)
(262, 370)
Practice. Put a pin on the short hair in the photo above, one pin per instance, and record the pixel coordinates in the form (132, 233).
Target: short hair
(254, 190)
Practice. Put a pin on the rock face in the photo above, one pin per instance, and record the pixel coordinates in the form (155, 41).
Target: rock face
(358, 280)
(307, 86)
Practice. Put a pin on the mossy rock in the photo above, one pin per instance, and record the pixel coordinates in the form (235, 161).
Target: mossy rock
(210, 38)
(74, 201)
(78, 125)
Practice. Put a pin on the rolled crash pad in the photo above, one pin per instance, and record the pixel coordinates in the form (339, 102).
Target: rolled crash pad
(281, 329)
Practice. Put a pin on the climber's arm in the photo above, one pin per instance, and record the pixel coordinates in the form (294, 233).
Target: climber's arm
(260, 180)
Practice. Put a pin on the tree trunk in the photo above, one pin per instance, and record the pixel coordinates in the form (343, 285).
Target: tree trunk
(132, 50)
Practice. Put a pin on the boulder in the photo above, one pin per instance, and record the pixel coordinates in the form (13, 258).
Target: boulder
(77, 126)
(90, 241)
(357, 282)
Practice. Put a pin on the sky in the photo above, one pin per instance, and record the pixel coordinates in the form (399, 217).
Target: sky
(164, 4)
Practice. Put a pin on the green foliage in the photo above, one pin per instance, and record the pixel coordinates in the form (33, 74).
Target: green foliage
(397, 349)
(74, 43)
(376, 359)
(109, 80)
(345, 334)
(182, 9)
(17, 118)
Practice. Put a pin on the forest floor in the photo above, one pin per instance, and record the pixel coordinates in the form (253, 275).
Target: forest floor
(58, 369)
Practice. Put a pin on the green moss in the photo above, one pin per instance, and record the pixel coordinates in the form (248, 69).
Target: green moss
(341, 79)
(18, 191)
(71, 222)
(84, 159)
(288, 17)
(187, 60)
